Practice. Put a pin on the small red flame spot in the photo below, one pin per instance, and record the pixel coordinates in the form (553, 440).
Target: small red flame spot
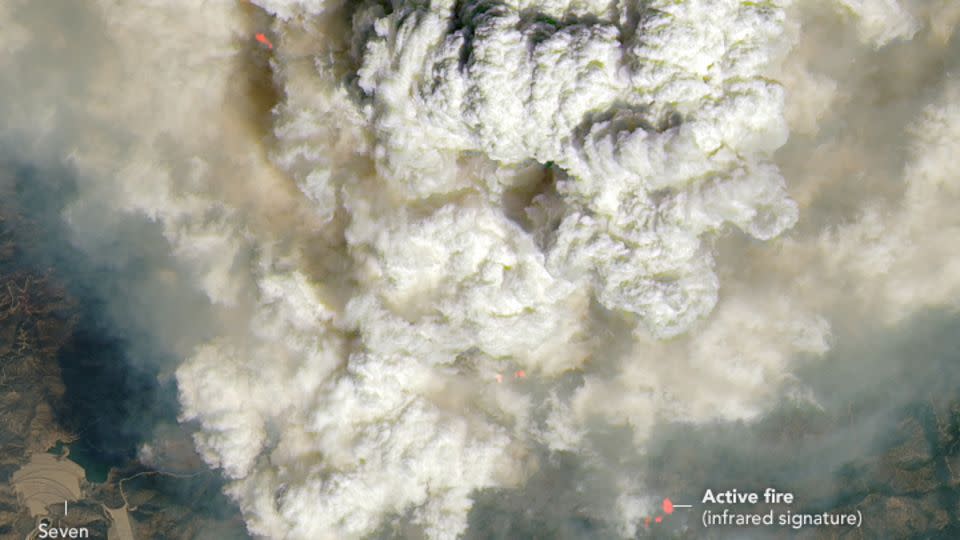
(668, 506)
(263, 39)
(659, 519)
(520, 374)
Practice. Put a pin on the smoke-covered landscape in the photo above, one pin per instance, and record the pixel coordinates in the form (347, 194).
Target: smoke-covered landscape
(334, 269)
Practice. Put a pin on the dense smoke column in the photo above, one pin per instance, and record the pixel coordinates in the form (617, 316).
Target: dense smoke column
(408, 134)
(660, 125)
(402, 203)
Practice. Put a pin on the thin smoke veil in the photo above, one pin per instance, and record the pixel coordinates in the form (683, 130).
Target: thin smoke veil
(450, 192)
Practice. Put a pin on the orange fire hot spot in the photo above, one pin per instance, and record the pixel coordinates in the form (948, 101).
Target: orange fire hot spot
(263, 39)
(667, 506)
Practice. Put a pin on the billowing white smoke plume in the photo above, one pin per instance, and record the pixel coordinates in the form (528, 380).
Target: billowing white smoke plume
(659, 120)
(460, 192)
(658, 124)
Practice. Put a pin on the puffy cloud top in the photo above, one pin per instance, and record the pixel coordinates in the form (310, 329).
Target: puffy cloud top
(659, 119)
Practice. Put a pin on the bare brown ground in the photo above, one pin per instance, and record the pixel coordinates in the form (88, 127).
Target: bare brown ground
(47, 480)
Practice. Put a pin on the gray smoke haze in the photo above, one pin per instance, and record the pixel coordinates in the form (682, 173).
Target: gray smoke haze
(676, 219)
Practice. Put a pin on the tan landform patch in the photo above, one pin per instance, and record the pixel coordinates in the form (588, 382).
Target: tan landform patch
(120, 527)
(47, 479)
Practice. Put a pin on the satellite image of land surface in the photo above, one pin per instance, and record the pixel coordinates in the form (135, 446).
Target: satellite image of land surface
(479, 269)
